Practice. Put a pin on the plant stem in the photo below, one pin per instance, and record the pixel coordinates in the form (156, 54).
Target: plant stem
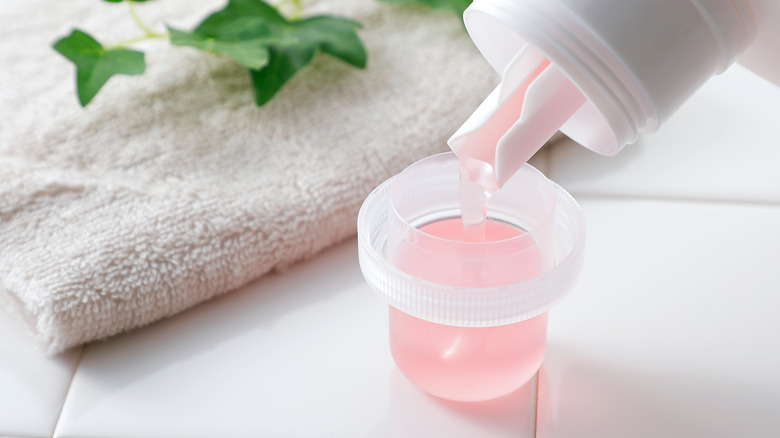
(124, 43)
(149, 33)
(297, 8)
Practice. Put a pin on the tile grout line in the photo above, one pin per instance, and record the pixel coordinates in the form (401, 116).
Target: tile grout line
(535, 412)
(67, 393)
(679, 199)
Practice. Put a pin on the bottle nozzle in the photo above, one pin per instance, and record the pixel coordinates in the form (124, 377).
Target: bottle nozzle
(533, 100)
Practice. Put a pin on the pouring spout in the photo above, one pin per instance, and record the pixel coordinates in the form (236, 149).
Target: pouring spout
(533, 100)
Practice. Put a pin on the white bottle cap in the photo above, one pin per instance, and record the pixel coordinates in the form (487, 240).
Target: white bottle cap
(636, 61)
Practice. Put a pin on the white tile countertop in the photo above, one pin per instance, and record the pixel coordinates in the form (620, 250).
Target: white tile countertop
(672, 330)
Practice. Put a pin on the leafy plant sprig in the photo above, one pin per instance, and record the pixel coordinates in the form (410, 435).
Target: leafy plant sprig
(253, 33)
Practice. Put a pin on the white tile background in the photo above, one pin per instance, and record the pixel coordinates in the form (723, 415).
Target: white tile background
(32, 386)
(671, 331)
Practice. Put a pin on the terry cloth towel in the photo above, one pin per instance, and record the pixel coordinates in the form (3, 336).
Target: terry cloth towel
(172, 187)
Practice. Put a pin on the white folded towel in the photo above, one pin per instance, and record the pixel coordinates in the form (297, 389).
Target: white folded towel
(173, 187)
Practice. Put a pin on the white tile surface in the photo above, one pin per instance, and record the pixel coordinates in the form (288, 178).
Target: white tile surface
(303, 353)
(673, 330)
(722, 144)
(32, 386)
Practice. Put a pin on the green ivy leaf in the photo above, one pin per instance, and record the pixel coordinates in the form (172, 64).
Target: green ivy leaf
(95, 64)
(456, 6)
(273, 48)
(250, 53)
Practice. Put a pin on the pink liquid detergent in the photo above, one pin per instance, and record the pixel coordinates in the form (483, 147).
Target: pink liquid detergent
(468, 363)
(481, 363)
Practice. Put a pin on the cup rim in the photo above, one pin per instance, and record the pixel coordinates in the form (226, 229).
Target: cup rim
(527, 233)
(482, 306)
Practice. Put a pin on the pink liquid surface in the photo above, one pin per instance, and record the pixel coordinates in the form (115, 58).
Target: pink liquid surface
(468, 363)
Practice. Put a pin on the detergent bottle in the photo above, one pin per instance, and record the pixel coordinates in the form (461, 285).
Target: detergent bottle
(600, 71)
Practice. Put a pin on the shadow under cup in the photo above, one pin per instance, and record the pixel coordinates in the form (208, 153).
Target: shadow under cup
(468, 316)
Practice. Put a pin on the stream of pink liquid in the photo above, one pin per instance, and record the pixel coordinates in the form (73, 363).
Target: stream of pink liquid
(468, 363)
